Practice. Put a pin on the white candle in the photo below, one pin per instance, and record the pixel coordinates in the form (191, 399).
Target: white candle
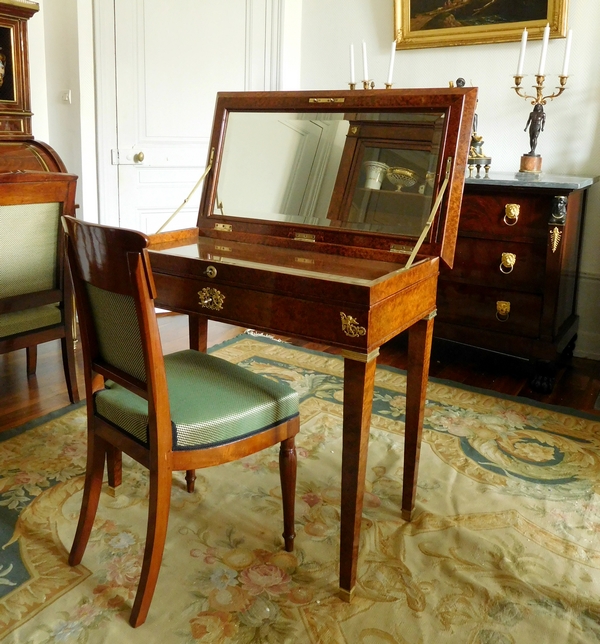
(522, 54)
(544, 50)
(365, 66)
(565, 69)
(352, 77)
(392, 59)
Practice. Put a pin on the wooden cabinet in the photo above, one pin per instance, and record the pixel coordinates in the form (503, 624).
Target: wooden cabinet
(18, 149)
(514, 283)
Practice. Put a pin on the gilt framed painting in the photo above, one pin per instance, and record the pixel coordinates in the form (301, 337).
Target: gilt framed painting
(445, 23)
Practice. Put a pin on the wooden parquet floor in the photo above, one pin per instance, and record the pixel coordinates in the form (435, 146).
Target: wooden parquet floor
(577, 383)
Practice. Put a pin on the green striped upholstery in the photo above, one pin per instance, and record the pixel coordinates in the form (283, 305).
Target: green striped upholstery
(28, 248)
(212, 402)
(118, 331)
(30, 319)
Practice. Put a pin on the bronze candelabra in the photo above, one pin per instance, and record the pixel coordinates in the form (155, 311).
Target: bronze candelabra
(532, 162)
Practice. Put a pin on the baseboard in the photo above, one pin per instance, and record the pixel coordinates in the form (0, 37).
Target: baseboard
(588, 345)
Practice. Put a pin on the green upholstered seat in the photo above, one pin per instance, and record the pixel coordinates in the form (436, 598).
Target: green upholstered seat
(212, 402)
(29, 319)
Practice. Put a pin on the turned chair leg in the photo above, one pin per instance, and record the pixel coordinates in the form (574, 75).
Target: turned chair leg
(158, 518)
(190, 479)
(31, 359)
(114, 464)
(287, 473)
(94, 472)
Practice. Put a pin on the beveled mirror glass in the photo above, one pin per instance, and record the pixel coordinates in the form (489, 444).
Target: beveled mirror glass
(294, 168)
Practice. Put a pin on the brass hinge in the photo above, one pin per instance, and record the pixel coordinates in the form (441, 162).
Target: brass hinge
(227, 228)
(326, 100)
(305, 237)
(401, 248)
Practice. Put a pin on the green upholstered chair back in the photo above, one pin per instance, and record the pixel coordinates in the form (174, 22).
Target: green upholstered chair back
(28, 248)
(117, 330)
(111, 273)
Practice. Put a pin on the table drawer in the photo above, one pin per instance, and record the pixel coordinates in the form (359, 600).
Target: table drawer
(285, 315)
(477, 306)
(485, 213)
(487, 262)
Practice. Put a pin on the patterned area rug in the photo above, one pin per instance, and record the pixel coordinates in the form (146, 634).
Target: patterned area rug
(504, 546)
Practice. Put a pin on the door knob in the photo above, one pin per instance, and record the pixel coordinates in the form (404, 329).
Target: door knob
(138, 157)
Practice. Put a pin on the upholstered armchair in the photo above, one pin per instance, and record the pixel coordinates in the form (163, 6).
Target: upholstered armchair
(36, 298)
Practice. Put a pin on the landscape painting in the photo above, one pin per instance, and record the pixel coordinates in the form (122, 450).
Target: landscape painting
(438, 23)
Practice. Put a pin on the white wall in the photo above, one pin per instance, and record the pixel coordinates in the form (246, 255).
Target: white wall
(61, 62)
(570, 143)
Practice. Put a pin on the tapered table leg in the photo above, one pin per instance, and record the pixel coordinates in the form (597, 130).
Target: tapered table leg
(198, 325)
(419, 351)
(359, 379)
(198, 329)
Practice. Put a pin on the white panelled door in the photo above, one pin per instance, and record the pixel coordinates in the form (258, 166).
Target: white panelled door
(170, 61)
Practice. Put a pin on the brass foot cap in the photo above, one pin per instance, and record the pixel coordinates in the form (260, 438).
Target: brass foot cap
(346, 595)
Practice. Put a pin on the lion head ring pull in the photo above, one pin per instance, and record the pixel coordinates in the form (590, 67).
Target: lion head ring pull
(502, 311)
(511, 213)
(508, 262)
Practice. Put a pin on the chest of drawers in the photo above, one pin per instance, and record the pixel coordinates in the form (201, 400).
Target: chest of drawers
(514, 283)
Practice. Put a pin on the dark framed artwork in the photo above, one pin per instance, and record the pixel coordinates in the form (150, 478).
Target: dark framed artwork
(444, 23)
(7, 78)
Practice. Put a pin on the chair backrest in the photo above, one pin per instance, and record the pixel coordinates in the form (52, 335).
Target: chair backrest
(114, 291)
(31, 238)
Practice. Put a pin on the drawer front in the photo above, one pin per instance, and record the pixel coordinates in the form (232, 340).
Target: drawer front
(500, 264)
(477, 306)
(485, 214)
(285, 315)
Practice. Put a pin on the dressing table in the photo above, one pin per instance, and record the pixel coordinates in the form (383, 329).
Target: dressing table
(297, 236)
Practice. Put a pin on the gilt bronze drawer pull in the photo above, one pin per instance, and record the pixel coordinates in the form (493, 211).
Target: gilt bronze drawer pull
(211, 298)
(502, 311)
(508, 262)
(211, 272)
(511, 213)
(351, 327)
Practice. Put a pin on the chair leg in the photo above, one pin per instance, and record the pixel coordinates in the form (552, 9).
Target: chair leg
(158, 518)
(94, 472)
(287, 473)
(190, 479)
(68, 357)
(31, 359)
(114, 464)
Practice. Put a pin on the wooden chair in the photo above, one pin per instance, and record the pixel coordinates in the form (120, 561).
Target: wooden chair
(181, 411)
(36, 297)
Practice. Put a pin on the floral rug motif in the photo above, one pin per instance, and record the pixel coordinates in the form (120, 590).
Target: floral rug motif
(503, 548)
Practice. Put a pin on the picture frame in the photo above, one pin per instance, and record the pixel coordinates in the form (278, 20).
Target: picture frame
(7, 79)
(445, 23)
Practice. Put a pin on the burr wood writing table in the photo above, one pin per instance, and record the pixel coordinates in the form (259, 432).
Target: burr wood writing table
(298, 236)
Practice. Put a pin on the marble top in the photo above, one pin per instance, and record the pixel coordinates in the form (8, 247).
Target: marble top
(533, 180)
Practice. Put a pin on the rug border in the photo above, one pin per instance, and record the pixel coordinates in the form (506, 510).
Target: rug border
(568, 411)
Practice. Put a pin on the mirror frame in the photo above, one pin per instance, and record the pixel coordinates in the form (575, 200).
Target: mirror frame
(458, 105)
